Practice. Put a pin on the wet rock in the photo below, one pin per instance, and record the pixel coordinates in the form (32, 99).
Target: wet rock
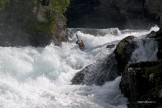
(159, 53)
(157, 37)
(141, 83)
(151, 35)
(79, 77)
(28, 22)
(124, 51)
(110, 46)
(108, 68)
(97, 73)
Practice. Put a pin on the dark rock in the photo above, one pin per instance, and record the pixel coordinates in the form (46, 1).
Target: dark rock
(98, 73)
(27, 22)
(38, 40)
(45, 2)
(151, 35)
(79, 77)
(108, 68)
(110, 46)
(160, 15)
(159, 53)
(141, 83)
(159, 33)
(157, 36)
(113, 13)
(124, 51)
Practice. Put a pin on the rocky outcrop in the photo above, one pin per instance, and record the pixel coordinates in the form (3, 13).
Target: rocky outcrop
(32, 22)
(141, 83)
(124, 51)
(158, 38)
(160, 14)
(98, 73)
(110, 67)
(113, 13)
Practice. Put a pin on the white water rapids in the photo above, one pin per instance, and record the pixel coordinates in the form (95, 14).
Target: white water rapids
(40, 77)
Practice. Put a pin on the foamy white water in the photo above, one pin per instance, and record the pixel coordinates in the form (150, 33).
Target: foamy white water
(40, 77)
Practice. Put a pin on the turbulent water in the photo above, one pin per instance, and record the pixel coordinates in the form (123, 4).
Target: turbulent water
(40, 77)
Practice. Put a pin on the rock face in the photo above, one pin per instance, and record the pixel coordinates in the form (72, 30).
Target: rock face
(124, 51)
(158, 37)
(110, 67)
(32, 22)
(160, 14)
(98, 73)
(141, 83)
(113, 13)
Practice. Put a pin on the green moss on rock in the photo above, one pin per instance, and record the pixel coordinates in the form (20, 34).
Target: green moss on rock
(47, 16)
(142, 82)
(157, 69)
(3, 4)
(59, 6)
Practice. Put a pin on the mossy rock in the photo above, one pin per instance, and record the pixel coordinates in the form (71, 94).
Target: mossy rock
(142, 82)
(3, 4)
(30, 19)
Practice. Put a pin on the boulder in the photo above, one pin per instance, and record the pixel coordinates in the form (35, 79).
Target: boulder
(156, 36)
(108, 68)
(79, 77)
(124, 51)
(141, 83)
(151, 35)
(97, 73)
(159, 40)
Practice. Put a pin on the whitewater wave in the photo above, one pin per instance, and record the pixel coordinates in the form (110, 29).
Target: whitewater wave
(40, 77)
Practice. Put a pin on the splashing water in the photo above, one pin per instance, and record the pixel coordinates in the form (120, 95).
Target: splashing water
(40, 77)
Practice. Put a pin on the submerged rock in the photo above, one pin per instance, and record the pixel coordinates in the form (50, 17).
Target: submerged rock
(110, 46)
(28, 22)
(141, 83)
